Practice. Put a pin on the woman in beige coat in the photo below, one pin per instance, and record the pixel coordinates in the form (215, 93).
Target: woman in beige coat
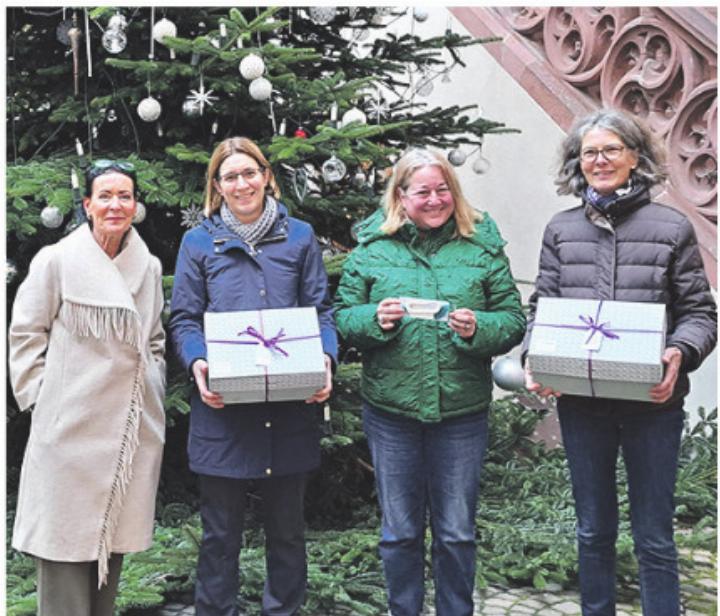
(86, 357)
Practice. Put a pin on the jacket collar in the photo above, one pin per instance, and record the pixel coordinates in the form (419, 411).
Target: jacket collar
(623, 206)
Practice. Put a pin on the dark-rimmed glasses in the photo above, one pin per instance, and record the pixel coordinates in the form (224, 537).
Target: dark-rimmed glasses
(609, 152)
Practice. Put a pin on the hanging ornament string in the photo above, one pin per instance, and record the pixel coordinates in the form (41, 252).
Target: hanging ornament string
(87, 43)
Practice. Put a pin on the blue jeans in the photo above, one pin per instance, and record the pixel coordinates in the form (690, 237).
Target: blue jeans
(222, 509)
(431, 468)
(650, 442)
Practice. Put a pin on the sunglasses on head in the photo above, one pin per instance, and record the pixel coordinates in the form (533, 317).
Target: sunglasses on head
(105, 165)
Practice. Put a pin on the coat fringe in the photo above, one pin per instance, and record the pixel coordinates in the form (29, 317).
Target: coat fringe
(122, 324)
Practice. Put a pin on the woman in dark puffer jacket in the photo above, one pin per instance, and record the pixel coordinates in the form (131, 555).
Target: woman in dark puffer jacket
(619, 245)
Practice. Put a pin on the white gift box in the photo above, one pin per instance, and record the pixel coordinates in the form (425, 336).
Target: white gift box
(599, 348)
(264, 355)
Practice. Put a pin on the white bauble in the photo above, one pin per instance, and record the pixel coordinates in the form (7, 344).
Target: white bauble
(322, 14)
(481, 165)
(260, 89)
(333, 169)
(140, 213)
(508, 373)
(420, 14)
(117, 22)
(457, 157)
(114, 40)
(425, 87)
(252, 66)
(353, 115)
(164, 28)
(149, 109)
(51, 217)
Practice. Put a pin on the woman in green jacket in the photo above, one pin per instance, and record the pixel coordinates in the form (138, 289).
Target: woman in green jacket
(426, 383)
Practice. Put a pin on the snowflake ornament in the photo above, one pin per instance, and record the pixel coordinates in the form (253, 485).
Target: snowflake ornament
(192, 217)
(201, 98)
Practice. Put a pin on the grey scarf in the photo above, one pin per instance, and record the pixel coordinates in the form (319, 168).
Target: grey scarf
(251, 233)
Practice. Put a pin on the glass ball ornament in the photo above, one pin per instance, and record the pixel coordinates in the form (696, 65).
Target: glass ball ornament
(420, 14)
(481, 165)
(333, 169)
(114, 40)
(149, 109)
(117, 22)
(353, 115)
(260, 89)
(164, 28)
(508, 373)
(322, 15)
(300, 133)
(140, 213)
(10, 271)
(252, 66)
(425, 87)
(191, 108)
(51, 217)
(457, 157)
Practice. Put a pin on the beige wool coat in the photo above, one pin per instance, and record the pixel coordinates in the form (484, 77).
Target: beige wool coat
(86, 357)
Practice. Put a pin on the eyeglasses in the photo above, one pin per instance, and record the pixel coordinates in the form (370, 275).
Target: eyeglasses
(105, 165)
(609, 152)
(441, 192)
(248, 175)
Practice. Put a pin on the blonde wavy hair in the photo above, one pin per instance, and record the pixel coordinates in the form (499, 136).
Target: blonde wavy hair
(414, 159)
(225, 149)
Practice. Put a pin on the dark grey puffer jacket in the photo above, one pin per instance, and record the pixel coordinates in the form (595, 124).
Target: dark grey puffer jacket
(638, 252)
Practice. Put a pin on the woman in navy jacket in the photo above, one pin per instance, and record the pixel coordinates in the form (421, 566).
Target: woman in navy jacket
(249, 254)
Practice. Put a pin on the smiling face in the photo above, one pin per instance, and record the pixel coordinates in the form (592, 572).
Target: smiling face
(427, 199)
(604, 175)
(241, 183)
(111, 205)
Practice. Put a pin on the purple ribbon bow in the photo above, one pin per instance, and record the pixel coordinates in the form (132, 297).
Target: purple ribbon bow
(268, 343)
(594, 327)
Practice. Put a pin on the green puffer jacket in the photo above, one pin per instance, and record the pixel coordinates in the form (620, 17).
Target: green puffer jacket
(422, 369)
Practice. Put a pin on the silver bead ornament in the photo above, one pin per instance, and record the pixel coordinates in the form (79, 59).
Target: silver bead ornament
(260, 89)
(114, 40)
(149, 109)
(51, 217)
(164, 28)
(353, 115)
(140, 213)
(457, 157)
(322, 14)
(252, 66)
(508, 373)
(333, 169)
(420, 14)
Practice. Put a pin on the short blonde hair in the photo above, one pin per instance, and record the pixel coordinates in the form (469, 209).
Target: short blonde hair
(414, 159)
(225, 149)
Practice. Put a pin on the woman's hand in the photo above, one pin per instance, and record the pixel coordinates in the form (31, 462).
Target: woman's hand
(672, 358)
(538, 388)
(200, 370)
(462, 321)
(389, 312)
(323, 394)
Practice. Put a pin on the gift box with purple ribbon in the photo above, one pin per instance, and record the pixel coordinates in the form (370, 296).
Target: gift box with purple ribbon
(598, 348)
(264, 355)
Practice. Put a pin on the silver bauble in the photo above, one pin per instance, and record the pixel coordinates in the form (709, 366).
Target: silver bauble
(10, 271)
(481, 165)
(114, 40)
(149, 109)
(508, 373)
(420, 14)
(51, 217)
(252, 66)
(322, 14)
(333, 169)
(117, 22)
(425, 87)
(140, 213)
(353, 115)
(457, 157)
(260, 89)
(164, 28)
(191, 108)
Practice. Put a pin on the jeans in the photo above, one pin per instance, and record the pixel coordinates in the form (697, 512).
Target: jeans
(427, 468)
(650, 442)
(222, 508)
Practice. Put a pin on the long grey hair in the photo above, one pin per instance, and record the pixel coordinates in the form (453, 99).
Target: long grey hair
(634, 135)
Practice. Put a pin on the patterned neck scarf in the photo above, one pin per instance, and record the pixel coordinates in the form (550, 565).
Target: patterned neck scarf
(603, 202)
(254, 231)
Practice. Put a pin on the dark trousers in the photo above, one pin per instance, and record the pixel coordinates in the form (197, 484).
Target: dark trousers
(222, 509)
(650, 442)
